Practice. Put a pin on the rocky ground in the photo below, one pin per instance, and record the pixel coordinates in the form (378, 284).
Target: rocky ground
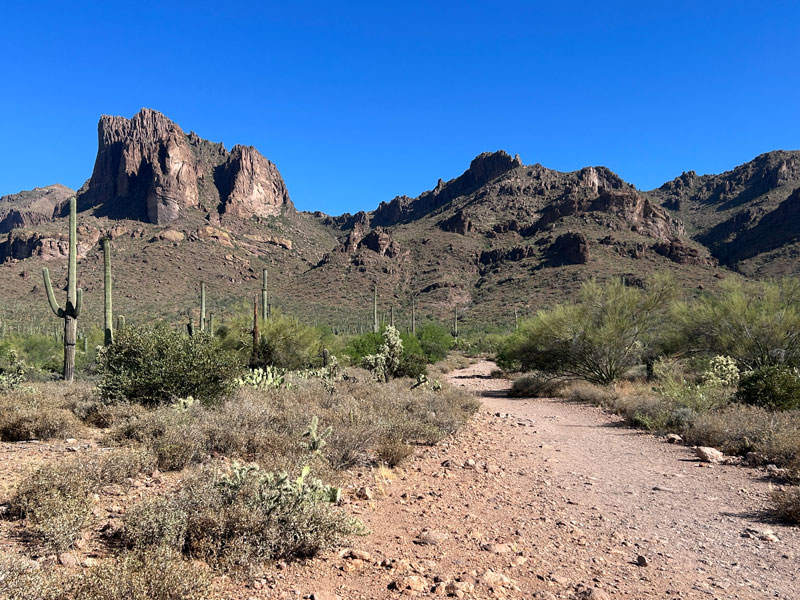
(547, 499)
(533, 499)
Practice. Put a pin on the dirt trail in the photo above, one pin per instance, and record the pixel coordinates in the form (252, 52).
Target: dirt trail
(561, 500)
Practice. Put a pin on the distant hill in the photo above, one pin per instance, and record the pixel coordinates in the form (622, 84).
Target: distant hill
(502, 236)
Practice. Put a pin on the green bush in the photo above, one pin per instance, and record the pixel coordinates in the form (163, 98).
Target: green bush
(157, 365)
(287, 343)
(774, 387)
(755, 323)
(363, 345)
(597, 339)
(435, 342)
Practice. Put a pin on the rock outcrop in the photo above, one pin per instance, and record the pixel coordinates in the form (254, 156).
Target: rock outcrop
(483, 169)
(32, 207)
(147, 168)
(570, 248)
(458, 223)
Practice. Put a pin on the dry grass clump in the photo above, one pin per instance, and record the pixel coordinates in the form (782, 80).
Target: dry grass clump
(55, 500)
(155, 574)
(35, 414)
(598, 395)
(536, 385)
(786, 503)
(739, 429)
(393, 451)
(241, 518)
(453, 362)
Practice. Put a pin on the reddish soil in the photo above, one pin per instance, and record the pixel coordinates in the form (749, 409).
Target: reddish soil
(562, 501)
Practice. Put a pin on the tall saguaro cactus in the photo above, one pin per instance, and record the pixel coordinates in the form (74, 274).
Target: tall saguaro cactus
(72, 308)
(202, 306)
(256, 335)
(108, 317)
(413, 315)
(375, 324)
(455, 322)
(264, 296)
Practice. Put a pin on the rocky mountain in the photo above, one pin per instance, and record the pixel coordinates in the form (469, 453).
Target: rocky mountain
(32, 207)
(501, 236)
(148, 169)
(746, 217)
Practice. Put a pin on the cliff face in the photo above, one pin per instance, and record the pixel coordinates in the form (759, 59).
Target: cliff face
(147, 168)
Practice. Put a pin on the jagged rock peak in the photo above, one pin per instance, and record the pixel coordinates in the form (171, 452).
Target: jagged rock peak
(147, 168)
(484, 168)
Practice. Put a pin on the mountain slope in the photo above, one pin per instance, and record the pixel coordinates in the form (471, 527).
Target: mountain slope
(746, 216)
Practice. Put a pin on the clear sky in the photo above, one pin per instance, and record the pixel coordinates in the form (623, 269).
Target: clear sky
(357, 102)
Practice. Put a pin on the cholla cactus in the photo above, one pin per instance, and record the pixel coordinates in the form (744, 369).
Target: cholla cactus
(184, 404)
(386, 363)
(722, 371)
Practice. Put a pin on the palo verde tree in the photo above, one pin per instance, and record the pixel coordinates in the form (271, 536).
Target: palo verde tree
(609, 330)
(72, 308)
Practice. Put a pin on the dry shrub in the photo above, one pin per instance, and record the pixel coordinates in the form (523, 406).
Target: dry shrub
(590, 393)
(393, 451)
(29, 414)
(739, 429)
(267, 426)
(786, 503)
(55, 500)
(241, 518)
(536, 385)
(24, 579)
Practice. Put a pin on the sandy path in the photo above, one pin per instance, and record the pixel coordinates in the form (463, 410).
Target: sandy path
(561, 500)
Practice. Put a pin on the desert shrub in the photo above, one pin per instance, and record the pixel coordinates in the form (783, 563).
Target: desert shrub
(243, 517)
(776, 387)
(535, 385)
(31, 423)
(287, 343)
(24, 579)
(55, 499)
(597, 395)
(157, 365)
(39, 412)
(363, 345)
(435, 342)
(739, 429)
(393, 451)
(598, 339)
(268, 426)
(412, 366)
(786, 503)
(755, 323)
(156, 574)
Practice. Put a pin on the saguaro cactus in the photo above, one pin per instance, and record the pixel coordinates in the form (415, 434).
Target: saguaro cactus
(108, 317)
(391, 318)
(72, 309)
(202, 306)
(376, 327)
(413, 316)
(264, 296)
(455, 322)
(256, 335)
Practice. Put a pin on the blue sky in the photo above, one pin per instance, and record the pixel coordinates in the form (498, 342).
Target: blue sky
(358, 102)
